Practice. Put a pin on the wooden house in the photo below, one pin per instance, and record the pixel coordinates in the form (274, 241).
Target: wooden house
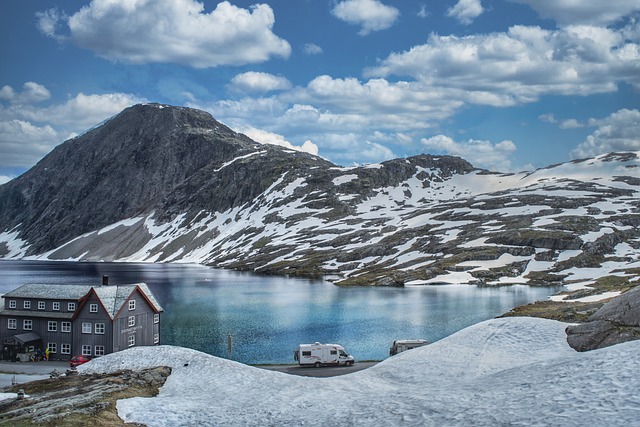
(73, 320)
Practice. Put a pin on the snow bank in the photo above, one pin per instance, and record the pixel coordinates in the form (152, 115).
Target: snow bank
(514, 371)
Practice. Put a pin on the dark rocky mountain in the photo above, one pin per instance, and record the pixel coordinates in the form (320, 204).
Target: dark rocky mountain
(160, 183)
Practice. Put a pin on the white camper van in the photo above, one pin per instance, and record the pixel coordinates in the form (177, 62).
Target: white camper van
(321, 355)
(403, 345)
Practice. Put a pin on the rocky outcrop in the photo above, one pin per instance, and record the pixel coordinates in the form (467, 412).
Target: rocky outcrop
(615, 322)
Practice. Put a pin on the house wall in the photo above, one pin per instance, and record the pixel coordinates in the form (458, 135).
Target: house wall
(93, 337)
(144, 330)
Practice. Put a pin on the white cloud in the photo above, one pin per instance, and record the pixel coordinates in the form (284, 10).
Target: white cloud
(484, 154)
(585, 12)
(173, 31)
(266, 137)
(29, 131)
(423, 12)
(312, 49)
(4, 179)
(618, 132)
(465, 11)
(519, 66)
(371, 15)
(253, 81)
(563, 124)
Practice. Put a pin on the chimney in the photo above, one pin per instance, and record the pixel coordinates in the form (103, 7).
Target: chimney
(105, 280)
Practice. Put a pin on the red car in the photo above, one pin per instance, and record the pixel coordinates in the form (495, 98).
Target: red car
(78, 360)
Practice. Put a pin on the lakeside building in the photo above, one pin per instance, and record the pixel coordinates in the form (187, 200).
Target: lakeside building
(73, 320)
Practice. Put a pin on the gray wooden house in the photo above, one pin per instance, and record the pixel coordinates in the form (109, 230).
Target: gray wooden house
(73, 320)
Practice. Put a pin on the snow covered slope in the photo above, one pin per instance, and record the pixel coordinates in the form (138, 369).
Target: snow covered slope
(516, 371)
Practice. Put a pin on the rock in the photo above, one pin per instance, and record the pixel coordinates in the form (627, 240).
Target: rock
(615, 322)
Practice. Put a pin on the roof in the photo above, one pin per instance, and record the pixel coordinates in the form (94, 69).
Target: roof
(37, 313)
(49, 291)
(22, 338)
(112, 297)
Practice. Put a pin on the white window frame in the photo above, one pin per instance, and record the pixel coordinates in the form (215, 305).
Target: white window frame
(53, 347)
(156, 318)
(55, 306)
(93, 308)
(27, 324)
(99, 328)
(13, 304)
(71, 306)
(87, 327)
(156, 338)
(52, 326)
(26, 305)
(12, 323)
(42, 305)
(65, 326)
(132, 304)
(65, 348)
(98, 350)
(131, 340)
(86, 350)
(131, 321)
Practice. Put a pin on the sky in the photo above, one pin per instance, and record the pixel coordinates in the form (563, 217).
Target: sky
(509, 85)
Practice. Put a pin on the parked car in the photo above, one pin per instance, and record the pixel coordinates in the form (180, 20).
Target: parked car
(78, 360)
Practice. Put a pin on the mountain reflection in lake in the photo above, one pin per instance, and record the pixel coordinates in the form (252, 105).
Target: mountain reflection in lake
(268, 316)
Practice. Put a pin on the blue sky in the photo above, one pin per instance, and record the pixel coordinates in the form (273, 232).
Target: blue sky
(506, 84)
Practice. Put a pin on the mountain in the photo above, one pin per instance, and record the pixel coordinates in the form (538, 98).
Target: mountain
(169, 184)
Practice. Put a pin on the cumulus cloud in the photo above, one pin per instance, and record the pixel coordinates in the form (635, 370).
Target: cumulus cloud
(172, 31)
(484, 154)
(266, 137)
(465, 11)
(370, 15)
(29, 130)
(618, 132)
(584, 12)
(520, 65)
(253, 81)
(562, 124)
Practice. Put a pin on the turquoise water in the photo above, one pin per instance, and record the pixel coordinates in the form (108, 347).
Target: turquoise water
(268, 316)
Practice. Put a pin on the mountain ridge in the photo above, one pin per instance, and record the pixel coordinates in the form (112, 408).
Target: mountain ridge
(171, 184)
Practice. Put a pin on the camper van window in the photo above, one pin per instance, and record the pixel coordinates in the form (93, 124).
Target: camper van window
(334, 352)
(306, 353)
(342, 353)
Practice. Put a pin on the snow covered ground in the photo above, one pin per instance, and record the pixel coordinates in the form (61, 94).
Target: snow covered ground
(513, 371)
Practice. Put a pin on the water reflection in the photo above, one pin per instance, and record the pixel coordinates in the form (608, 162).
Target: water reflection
(268, 316)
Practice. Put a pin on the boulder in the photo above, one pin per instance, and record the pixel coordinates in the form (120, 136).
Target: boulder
(615, 322)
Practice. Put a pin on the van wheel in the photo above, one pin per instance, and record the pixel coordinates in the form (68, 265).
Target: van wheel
(317, 364)
(348, 363)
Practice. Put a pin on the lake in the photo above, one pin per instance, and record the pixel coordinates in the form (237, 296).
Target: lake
(268, 316)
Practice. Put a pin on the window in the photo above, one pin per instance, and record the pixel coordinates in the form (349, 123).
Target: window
(52, 326)
(86, 327)
(93, 308)
(132, 304)
(86, 350)
(306, 353)
(56, 306)
(99, 329)
(132, 320)
(12, 303)
(156, 338)
(65, 327)
(12, 324)
(132, 340)
(156, 318)
(41, 305)
(71, 306)
(27, 305)
(27, 324)
(99, 350)
(53, 347)
(65, 348)
(334, 352)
